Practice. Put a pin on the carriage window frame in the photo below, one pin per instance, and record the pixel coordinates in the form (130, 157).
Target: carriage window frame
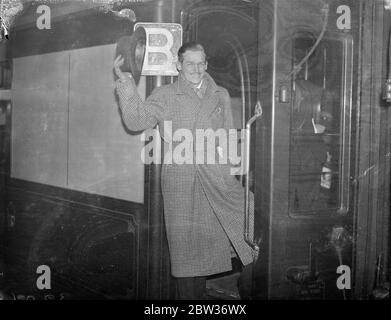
(345, 128)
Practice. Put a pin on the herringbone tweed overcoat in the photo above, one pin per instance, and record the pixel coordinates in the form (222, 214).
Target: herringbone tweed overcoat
(203, 203)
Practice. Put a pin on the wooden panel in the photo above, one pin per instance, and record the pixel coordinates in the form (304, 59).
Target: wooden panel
(103, 157)
(39, 118)
(92, 252)
(372, 173)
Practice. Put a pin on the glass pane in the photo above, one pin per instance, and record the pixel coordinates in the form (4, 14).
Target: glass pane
(5, 110)
(317, 126)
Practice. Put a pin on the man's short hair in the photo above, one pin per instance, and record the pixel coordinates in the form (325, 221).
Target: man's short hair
(192, 46)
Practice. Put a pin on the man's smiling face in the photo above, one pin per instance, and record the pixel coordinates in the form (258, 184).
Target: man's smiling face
(193, 66)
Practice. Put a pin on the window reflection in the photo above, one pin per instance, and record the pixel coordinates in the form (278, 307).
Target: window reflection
(317, 110)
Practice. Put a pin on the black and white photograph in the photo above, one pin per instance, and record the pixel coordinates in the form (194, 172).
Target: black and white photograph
(210, 151)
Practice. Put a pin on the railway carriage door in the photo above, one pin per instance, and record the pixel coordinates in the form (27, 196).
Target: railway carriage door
(305, 148)
(297, 60)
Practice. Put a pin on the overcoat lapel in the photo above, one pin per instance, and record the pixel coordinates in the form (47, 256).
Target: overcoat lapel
(210, 102)
(184, 90)
(205, 106)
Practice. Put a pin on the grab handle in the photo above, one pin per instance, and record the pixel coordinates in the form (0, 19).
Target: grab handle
(257, 114)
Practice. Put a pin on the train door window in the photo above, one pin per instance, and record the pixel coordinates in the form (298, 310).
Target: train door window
(5, 74)
(5, 111)
(229, 66)
(320, 126)
(229, 35)
(3, 134)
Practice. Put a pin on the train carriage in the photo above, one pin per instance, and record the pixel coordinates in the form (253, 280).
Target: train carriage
(306, 78)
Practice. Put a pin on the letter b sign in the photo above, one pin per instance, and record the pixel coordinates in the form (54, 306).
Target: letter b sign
(163, 41)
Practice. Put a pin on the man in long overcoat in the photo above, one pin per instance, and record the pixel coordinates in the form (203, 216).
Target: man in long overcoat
(203, 202)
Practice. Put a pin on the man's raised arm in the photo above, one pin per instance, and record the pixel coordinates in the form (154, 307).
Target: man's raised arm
(137, 114)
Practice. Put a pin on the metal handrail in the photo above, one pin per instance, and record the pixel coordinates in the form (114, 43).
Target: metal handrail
(257, 114)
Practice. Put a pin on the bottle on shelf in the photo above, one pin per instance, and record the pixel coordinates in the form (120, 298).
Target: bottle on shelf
(325, 179)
